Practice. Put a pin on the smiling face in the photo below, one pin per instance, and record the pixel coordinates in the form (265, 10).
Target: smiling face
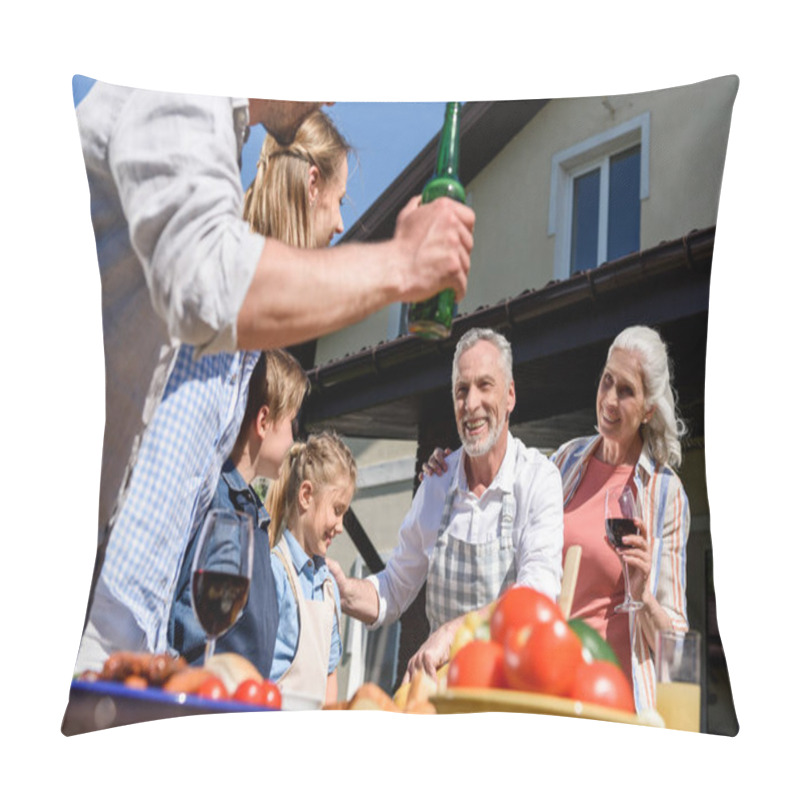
(323, 514)
(483, 399)
(620, 403)
(326, 203)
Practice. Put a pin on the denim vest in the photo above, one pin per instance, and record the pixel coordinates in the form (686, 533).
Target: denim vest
(253, 635)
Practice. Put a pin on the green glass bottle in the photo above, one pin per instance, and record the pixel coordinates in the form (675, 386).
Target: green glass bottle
(432, 318)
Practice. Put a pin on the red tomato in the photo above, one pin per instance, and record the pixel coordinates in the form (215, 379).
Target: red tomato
(603, 683)
(543, 657)
(512, 658)
(250, 691)
(520, 606)
(272, 695)
(478, 664)
(213, 689)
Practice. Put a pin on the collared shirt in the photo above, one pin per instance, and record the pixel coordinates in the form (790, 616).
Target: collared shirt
(175, 256)
(312, 572)
(665, 513)
(173, 481)
(537, 529)
(253, 634)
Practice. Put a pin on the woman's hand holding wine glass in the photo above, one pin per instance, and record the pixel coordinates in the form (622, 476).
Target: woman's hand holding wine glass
(622, 525)
(637, 557)
(221, 572)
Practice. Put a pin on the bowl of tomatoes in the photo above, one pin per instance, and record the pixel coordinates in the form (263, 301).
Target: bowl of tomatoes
(524, 655)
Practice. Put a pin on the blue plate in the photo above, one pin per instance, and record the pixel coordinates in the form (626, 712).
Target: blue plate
(95, 705)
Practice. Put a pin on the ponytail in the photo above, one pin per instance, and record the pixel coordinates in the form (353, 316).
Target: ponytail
(278, 491)
(322, 460)
(277, 203)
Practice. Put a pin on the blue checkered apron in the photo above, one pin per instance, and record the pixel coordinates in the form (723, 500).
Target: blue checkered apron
(463, 576)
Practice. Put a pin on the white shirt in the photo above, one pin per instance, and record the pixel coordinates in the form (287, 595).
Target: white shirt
(538, 528)
(176, 258)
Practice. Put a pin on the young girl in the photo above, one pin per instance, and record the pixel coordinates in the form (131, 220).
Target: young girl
(307, 504)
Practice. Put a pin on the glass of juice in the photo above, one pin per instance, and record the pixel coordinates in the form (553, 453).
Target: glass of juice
(678, 679)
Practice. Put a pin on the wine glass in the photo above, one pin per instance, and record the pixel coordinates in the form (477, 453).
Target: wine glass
(620, 511)
(221, 572)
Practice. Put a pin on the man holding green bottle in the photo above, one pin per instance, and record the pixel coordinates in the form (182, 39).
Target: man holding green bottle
(433, 317)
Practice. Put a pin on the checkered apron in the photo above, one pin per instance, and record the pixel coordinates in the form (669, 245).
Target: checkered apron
(464, 576)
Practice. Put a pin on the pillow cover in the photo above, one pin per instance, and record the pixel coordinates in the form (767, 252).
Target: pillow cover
(592, 214)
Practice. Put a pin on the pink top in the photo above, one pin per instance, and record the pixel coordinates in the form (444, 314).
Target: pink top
(601, 586)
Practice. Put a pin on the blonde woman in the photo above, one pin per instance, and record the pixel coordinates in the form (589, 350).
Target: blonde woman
(307, 504)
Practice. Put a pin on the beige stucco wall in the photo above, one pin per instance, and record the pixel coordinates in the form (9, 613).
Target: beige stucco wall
(513, 251)
(380, 507)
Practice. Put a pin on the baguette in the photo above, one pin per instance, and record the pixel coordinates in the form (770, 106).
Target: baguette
(232, 669)
(420, 707)
(187, 681)
(422, 687)
(370, 697)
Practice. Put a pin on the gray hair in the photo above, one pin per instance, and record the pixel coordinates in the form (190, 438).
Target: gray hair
(663, 432)
(475, 335)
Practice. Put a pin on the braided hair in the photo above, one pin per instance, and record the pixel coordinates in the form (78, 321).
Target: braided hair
(322, 460)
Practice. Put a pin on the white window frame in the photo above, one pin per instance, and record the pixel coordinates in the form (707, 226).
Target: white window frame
(577, 160)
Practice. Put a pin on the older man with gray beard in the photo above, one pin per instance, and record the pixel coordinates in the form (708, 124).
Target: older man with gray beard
(493, 519)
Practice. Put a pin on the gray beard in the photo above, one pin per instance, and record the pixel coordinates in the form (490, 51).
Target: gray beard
(476, 449)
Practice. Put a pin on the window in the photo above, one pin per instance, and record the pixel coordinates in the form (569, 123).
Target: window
(596, 190)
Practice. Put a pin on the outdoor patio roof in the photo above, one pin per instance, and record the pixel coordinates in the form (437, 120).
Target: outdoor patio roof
(559, 335)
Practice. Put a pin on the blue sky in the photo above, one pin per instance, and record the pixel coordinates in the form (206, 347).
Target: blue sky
(385, 138)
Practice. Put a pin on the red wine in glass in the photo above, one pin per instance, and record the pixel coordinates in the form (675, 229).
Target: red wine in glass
(617, 527)
(620, 510)
(219, 598)
(221, 572)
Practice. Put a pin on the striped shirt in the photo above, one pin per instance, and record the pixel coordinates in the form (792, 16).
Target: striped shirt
(665, 513)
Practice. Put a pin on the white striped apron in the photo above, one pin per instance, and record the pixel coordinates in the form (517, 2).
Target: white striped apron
(463, 576)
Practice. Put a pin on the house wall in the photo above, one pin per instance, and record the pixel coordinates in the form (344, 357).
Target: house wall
(383, 494)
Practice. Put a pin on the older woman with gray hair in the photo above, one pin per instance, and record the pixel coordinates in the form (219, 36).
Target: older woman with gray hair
(637, 444)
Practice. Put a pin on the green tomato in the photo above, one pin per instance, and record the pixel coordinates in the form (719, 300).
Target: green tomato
(593, 643)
